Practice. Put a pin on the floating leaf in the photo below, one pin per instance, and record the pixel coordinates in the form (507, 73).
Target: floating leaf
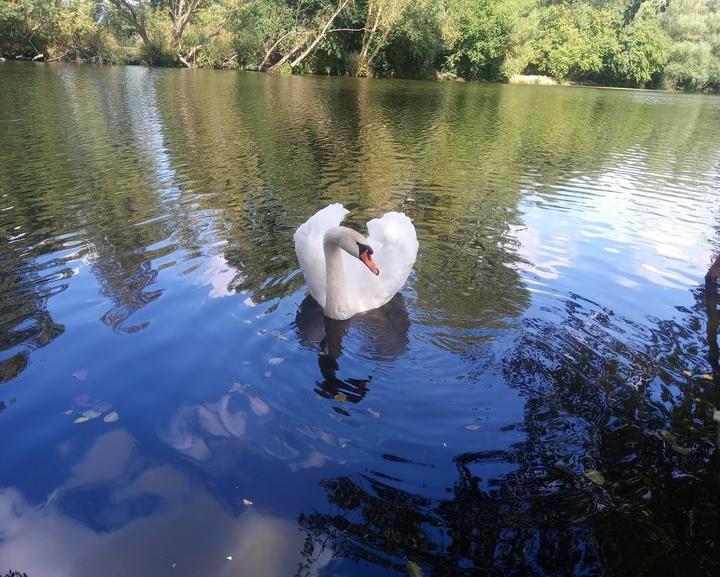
(472, 426)
(595, 476)
(276, 360)
(413, 569)
(68, 412)
(708, 377)
(680, 450)
(340, 398)
(374, 413)
(247, 502)
(80, 375)
(81, 419)
(687, 373)
(111, 417)
(91, 414)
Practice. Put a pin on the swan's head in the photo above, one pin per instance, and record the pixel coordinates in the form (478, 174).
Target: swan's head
(353, 243)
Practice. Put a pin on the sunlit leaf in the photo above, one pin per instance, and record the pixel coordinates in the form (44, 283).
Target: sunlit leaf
(80, 375)
(472, 426)
(247, 502)
(276, 360)
(81, 419)
(340, 398)
(111, 417)
(91, 414)
(595, 476)
(680, 450)
(687, 373)
(707, 377)
(413, 569)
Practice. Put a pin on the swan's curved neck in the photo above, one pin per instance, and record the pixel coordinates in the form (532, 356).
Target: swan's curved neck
(335, 290)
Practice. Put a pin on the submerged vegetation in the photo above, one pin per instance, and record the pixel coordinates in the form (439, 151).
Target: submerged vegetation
(633, 43)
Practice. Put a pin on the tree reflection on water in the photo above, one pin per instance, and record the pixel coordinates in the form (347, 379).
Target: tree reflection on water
(597, 403)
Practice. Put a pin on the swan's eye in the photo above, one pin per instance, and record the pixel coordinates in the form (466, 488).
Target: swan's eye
(362, 248)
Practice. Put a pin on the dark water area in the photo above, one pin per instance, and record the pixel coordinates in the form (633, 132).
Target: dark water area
(538, 401)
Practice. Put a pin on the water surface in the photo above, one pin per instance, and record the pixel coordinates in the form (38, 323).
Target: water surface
(533, 403)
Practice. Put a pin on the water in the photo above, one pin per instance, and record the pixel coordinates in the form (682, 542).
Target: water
(531, 404)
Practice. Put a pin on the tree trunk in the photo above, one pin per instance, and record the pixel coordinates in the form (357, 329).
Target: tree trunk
(321, 34)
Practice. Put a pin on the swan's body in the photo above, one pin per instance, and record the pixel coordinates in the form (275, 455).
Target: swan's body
(330, 256)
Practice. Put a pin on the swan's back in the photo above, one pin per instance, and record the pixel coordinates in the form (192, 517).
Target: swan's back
(309, 247)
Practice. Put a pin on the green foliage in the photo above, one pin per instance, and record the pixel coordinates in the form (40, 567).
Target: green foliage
(26, 26)
(643, 49)
(694, 57)
(575, 42)
(637, 43)
(414, 46)
(478, 35)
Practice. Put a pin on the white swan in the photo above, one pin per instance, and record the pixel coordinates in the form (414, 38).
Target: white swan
(335, 260)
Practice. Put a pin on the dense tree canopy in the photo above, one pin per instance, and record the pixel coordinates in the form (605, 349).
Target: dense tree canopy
(636, 43)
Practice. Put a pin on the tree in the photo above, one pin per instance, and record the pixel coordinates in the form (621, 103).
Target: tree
(643, 48)
(575, 42)
(478, 34)
(307, 28)
(383, 16)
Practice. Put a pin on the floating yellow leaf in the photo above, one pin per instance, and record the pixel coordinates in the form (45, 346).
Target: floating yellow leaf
(687, 373)
(111, 417)
(680, 450)
(81, 419)
(413, 569)
(340, 398)
(708, 377)
(595, 476)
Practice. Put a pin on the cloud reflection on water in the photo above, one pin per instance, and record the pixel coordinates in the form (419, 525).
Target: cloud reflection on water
(155, 520)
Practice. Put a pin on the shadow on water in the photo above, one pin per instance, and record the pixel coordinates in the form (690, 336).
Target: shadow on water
(382, 333)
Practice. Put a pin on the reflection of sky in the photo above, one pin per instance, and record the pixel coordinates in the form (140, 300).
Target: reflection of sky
(610, 234)
(220, 276)
(172, 538)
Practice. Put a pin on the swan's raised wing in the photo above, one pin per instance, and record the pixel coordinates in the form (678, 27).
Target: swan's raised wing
(309, 247)
(395, 245)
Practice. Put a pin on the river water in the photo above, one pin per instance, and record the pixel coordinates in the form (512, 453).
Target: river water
(537, 401)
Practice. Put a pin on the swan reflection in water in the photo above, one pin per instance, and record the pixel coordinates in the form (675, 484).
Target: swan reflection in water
(382, 334)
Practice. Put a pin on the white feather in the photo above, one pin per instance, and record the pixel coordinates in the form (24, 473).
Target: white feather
(394, 243)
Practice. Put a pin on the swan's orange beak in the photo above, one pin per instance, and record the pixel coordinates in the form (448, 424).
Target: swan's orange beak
(366, 258)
